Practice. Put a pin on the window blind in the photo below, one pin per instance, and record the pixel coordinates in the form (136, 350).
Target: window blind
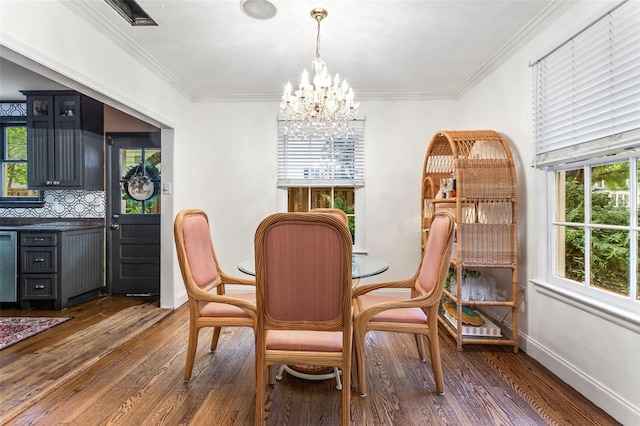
(587, 91)
(319, 157)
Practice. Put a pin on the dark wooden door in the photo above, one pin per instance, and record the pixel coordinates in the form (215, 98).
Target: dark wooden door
(133, 215)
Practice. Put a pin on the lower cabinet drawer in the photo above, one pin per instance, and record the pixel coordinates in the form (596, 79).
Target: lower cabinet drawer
(38, 286)
(38, 260)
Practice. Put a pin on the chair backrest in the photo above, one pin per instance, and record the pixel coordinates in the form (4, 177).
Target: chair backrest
(340, 214)
(196, 255)
(303, 272)
(437, 253)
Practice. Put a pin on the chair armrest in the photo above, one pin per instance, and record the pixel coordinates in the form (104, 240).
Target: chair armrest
(230, 279)
(416, 302)
(362, 289)
(207, 296)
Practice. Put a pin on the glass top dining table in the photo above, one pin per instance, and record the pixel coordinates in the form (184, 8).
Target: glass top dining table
(362, 266)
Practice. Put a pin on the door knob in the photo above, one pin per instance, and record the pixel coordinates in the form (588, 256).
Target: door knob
(115, 226)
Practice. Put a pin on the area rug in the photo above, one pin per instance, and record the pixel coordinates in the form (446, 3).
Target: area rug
(17, 329)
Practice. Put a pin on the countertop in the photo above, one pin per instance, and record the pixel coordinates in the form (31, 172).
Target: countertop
(36, 225)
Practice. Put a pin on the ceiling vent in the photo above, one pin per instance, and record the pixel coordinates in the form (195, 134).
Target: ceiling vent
(132, 12)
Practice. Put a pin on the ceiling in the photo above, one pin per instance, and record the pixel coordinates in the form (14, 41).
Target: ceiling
(386, 49)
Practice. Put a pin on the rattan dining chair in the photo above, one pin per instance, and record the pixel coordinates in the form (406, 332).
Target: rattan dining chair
(340, 214)
(303, 287)
(209, 305)
(417, 314)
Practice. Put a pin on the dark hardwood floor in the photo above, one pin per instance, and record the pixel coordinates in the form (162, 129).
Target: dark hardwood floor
(140, 382)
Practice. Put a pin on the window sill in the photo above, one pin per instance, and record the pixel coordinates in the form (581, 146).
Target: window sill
(615, 314)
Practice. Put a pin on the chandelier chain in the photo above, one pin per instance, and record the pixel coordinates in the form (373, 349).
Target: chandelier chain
(318, 18)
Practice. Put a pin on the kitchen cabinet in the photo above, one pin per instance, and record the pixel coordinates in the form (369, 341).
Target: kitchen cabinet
(65, 141)
(472, 174)
(59, 266)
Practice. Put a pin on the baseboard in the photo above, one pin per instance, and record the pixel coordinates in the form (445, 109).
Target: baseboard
(603, 397)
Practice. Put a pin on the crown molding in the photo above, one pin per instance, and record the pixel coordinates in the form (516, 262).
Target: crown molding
(90, 14)
(538, 23)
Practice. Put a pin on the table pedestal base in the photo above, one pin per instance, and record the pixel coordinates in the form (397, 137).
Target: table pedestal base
(310, 376)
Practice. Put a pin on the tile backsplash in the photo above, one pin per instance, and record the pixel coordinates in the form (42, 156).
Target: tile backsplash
(65, 204)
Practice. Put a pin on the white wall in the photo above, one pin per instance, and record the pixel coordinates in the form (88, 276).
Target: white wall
(222, 157)
(596, 352)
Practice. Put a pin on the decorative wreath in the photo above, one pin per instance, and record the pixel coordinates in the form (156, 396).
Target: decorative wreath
(142, 184)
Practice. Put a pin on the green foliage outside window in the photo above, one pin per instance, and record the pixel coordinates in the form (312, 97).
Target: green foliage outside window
(610, 248)
(16, 150)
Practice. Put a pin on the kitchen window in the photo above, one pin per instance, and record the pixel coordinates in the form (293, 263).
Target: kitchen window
(321, 168)
(13, 160)
(587, 109)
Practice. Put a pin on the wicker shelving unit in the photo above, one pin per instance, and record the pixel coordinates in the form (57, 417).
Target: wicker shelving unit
(485, 208)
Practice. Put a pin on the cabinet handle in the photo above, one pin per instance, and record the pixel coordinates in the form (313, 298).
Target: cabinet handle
(38, 259)
(48, 183)
(39, 287)
(56, 182)
(38, 239)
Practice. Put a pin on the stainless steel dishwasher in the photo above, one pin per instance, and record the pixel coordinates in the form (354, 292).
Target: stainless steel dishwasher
(8, 266)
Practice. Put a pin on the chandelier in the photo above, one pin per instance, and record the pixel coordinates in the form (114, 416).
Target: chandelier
(324, 102)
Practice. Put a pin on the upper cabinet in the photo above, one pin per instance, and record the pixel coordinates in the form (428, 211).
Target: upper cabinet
(65, 140)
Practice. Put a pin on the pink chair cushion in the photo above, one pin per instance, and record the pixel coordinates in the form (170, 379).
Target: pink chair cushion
(214, 309)
(433, 253)
(404, 315)
(197, 244)
(304, 340)
(303, 253)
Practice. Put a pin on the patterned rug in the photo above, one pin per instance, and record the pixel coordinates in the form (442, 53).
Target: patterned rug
(16, 329)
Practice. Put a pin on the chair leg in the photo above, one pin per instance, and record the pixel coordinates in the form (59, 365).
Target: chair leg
(420, 343)
(358, 337)
(260, 395)
(215, 337)
(434, 351)
(191, 351)
(271, 371)
(346, 391)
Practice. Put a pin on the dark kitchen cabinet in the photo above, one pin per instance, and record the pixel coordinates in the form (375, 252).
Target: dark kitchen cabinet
(65, 140)
(58, 266)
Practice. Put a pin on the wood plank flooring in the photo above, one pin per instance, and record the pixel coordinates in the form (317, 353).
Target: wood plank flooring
(140, 382)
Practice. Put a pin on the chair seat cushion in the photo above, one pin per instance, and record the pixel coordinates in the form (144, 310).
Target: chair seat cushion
(215, 309)
(402, 315)
(304, 340)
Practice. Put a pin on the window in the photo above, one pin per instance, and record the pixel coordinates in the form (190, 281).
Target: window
(321, 169)
(596, 225)
(13, 158)
(587, 100)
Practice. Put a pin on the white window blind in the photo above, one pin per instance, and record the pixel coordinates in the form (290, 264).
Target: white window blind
(587, 91)
(320, 158)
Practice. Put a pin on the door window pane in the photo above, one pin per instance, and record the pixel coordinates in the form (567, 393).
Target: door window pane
(140, 179)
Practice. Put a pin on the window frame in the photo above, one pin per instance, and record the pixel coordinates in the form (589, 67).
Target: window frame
(601, 299)
(15, 202)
